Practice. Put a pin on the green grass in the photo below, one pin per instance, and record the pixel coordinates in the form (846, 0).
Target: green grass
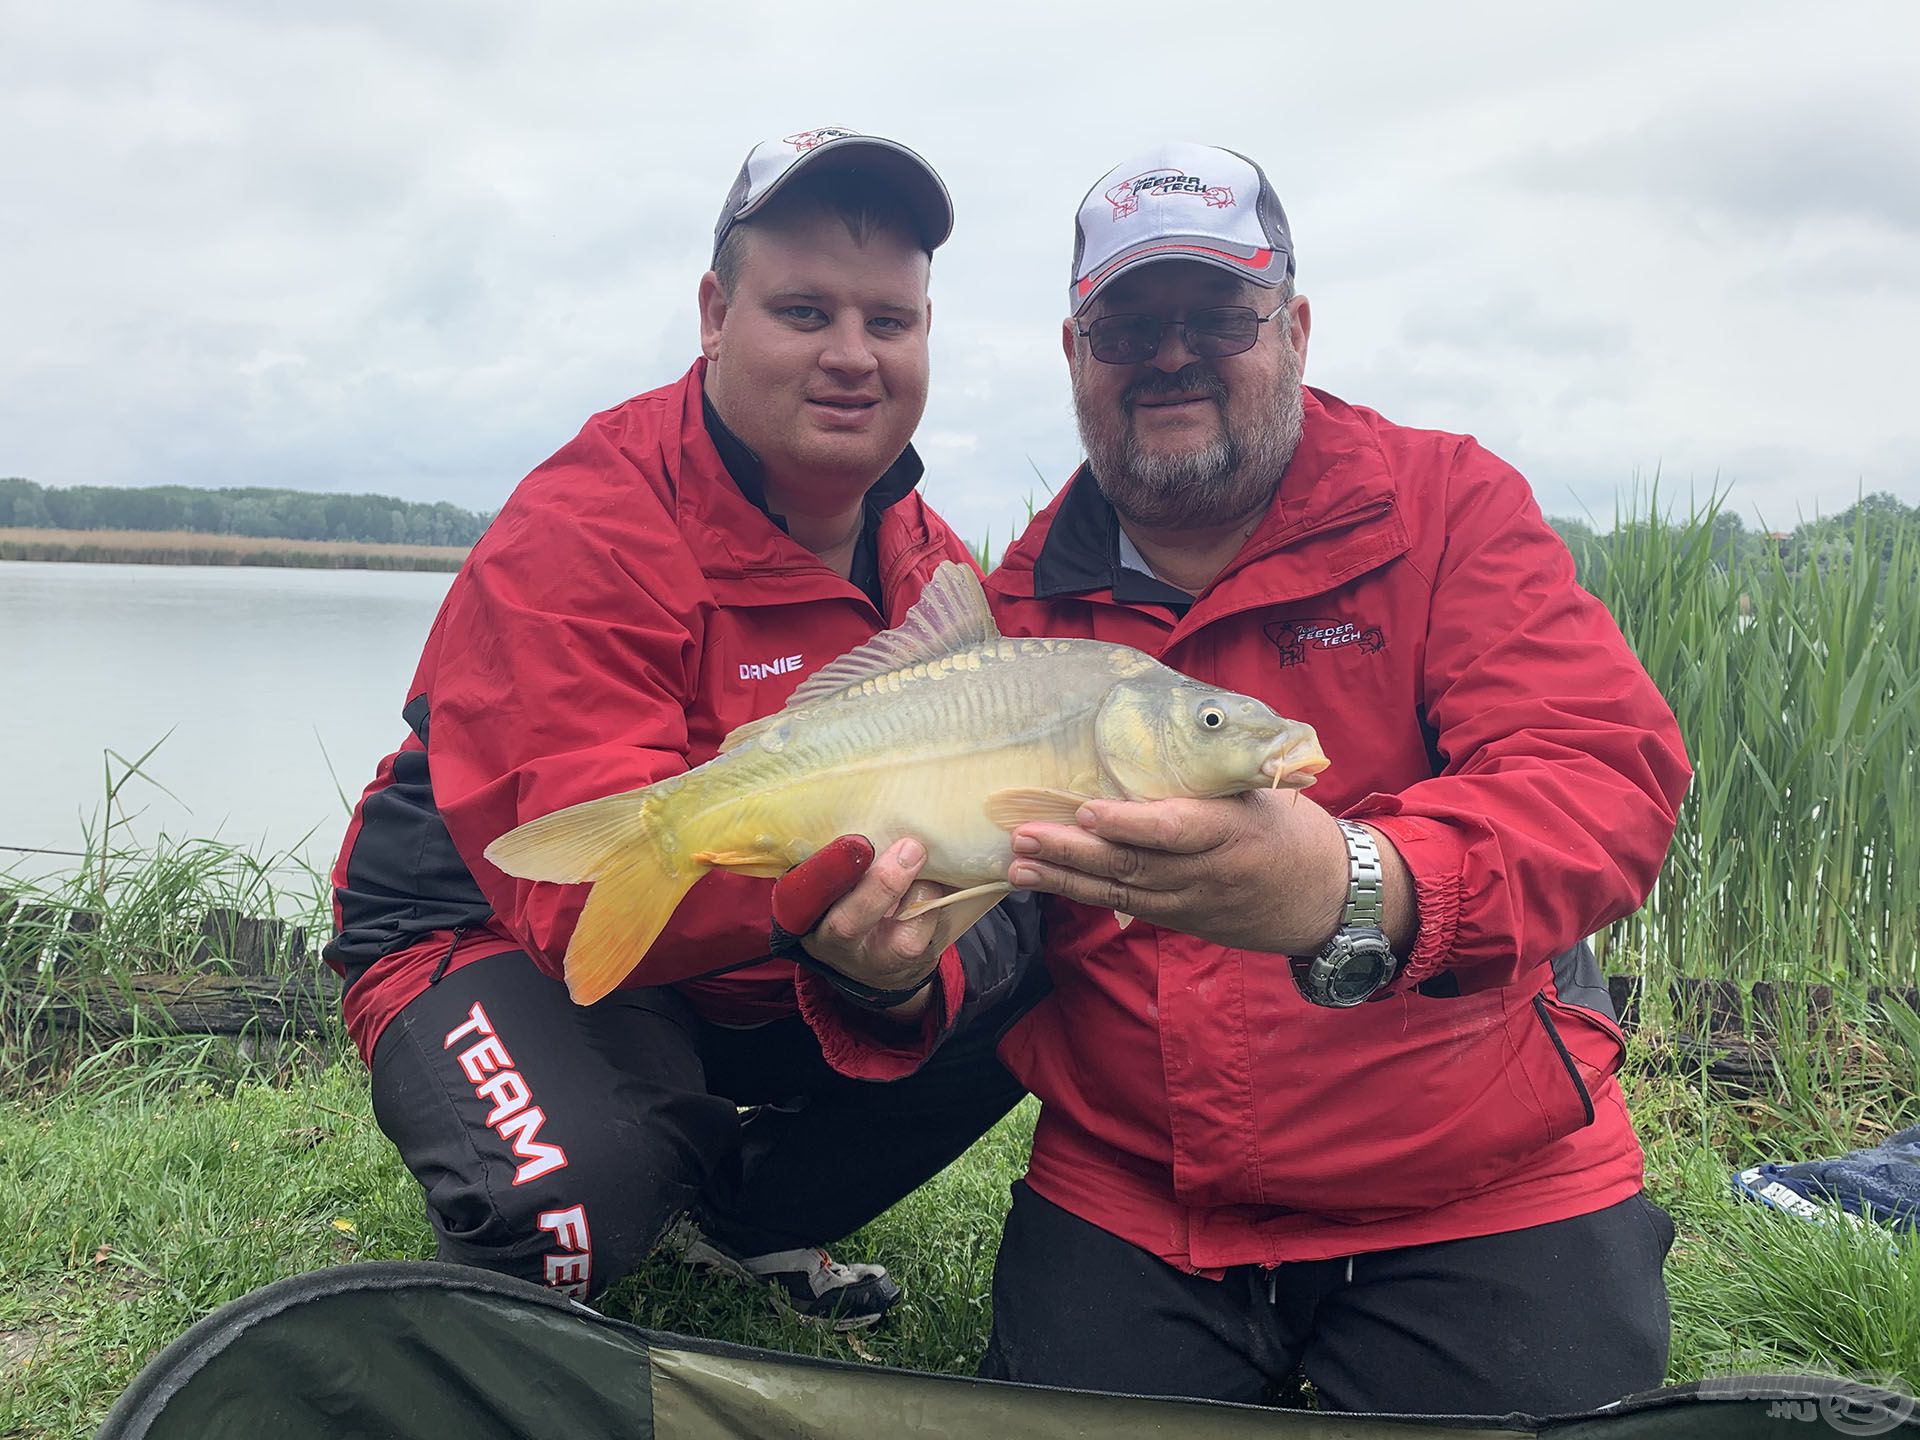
(171, 1180)
(139, 1205)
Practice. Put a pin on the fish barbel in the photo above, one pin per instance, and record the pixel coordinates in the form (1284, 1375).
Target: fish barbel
(942, 729)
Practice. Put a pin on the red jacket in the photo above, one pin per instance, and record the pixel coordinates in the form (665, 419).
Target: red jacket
(628, 607)
(1403, 596)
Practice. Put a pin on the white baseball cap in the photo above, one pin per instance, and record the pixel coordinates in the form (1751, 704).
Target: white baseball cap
(1180, 202)
(833, 148)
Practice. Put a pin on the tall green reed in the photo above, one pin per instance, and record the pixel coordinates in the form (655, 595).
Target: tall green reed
(1795, 678)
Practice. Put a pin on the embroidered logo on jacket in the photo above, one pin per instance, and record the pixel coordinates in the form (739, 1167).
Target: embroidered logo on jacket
(1125, 197)
(1293, 638)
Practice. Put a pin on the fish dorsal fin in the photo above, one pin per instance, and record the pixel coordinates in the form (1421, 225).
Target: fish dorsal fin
(950, 616)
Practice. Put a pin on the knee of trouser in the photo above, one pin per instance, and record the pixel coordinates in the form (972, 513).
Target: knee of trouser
(537, 1153)
(588, 1214)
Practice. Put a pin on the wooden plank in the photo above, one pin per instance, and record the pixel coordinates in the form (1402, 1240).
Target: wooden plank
(32, 929)
(252, 946)
(1730, 1065)
(70, 943)
(195, 1004)
(1724, 1006)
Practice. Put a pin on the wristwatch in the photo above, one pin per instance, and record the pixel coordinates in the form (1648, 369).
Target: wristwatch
(1357, 961)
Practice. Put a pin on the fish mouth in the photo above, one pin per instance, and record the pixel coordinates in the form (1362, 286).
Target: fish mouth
(1293, 763)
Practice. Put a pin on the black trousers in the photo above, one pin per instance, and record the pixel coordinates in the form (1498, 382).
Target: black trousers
(558, 1142)
(1549, 1320)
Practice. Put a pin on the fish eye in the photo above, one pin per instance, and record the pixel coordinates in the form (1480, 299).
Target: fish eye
(1212, 717)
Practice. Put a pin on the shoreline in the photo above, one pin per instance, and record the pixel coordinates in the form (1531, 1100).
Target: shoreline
(185, 547)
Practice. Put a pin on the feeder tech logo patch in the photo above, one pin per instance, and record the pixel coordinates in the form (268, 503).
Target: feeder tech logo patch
(1296, 639)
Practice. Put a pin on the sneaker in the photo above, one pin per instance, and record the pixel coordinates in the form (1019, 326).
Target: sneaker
(809, 1282)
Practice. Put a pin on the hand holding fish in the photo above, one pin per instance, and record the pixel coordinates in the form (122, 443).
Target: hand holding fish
(857, 934)
(1264, 870)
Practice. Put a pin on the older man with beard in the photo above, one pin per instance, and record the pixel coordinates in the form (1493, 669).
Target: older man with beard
(1341, 1100)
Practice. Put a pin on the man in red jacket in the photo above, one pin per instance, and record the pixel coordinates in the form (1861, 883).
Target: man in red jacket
(1341, 1099)
(672, 573)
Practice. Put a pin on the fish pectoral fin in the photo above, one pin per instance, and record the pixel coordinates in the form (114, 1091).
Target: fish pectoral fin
(987, 896)
(1008, 808)
(956, 920)
(761, 864)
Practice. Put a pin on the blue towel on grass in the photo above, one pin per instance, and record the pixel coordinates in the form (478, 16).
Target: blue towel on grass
(1881, 1183)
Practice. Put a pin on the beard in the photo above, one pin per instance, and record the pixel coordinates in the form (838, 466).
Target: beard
(1225, 480)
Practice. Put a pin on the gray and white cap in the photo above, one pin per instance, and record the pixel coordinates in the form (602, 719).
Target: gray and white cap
(773, 163)
(1180, 202)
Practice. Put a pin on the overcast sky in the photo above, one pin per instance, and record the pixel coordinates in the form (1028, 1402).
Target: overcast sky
(409, 247)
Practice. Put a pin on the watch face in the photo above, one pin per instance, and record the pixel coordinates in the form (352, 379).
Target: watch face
(1354, 965)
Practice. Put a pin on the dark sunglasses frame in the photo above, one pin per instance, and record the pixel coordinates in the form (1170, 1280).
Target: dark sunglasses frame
(1211, 345)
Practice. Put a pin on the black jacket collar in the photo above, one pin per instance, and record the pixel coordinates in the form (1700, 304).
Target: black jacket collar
(1082, 553)
(750, 474)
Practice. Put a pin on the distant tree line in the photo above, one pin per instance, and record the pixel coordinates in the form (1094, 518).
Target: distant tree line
(1875, 520)
(262, 513)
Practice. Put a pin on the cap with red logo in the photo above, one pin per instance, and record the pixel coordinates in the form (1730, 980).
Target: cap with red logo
(1180, 202)
(771, 164)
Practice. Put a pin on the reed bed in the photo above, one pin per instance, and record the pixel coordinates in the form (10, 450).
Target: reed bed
(1796, 682)
(186, 547)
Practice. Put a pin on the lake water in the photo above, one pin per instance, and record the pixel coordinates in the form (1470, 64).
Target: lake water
(261, 675)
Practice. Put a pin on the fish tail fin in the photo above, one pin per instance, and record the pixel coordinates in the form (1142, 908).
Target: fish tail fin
(581, 842)
(626, 910)
(625, 847)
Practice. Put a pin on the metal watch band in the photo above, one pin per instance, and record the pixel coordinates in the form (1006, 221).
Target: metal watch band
(1366, 903)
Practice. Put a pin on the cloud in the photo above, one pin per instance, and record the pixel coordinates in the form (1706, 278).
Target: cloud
(1515, 323)
(1766, 163)
(412, 249)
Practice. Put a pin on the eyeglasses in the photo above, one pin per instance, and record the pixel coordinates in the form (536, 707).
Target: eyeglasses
(1212, 334)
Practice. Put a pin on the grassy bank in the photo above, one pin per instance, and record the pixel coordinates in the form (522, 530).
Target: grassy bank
(170, 1176)
(182, 547)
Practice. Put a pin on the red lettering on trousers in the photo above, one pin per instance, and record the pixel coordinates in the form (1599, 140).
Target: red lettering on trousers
(506, 1092)
(540, 1156)
(569, 1268)
(484, 1058)
(513, 1116)
(476, 1022)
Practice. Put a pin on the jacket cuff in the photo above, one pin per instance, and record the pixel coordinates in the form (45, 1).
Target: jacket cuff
(867, 1045)
(1435, 858)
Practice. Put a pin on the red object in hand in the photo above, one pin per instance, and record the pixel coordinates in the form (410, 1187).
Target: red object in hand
(808, 891)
